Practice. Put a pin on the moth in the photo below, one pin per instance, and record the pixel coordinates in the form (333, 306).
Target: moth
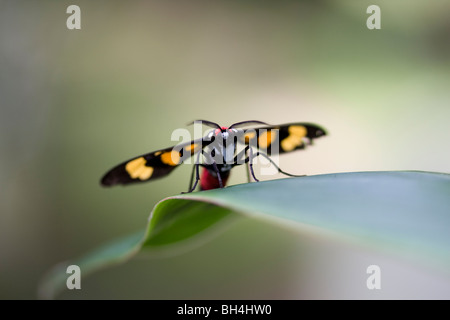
(217, 153)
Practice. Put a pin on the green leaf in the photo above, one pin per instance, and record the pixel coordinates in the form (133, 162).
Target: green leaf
(404, 213)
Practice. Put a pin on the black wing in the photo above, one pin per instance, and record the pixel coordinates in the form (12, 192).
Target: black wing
(152, 165)
(282, 138)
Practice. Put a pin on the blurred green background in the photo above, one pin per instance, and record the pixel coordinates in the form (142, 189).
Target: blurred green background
(76, 102)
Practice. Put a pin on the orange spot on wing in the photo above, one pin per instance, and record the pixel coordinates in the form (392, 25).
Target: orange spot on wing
(191, 148)
(172, 158)
(249, 136)
(265, 139)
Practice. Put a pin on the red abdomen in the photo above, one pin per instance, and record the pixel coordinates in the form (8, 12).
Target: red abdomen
(208, 181)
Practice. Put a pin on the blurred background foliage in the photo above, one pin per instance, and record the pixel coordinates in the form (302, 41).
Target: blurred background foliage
(75, 103)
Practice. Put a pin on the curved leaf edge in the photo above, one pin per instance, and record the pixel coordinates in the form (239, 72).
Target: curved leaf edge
(107, 255)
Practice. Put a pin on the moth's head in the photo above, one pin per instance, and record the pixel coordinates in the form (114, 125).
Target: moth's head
(223, 132)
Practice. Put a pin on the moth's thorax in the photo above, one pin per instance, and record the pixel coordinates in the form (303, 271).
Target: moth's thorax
(223, 147)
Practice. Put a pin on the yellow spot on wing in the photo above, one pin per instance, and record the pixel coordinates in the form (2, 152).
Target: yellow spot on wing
(288, 144)
(249, 135)
(134, 164)
(294, 139)
(172, 158)
(266, 139)
(192, 148)
(137, 169)
(157, 153)
(299, 131)
(145, 173)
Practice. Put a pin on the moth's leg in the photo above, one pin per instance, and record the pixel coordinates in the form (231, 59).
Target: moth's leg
(197, 175)
(250, 163)
(218, 174)
(191, 181)
(275, 165)
(243, 154)
(247, 167)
